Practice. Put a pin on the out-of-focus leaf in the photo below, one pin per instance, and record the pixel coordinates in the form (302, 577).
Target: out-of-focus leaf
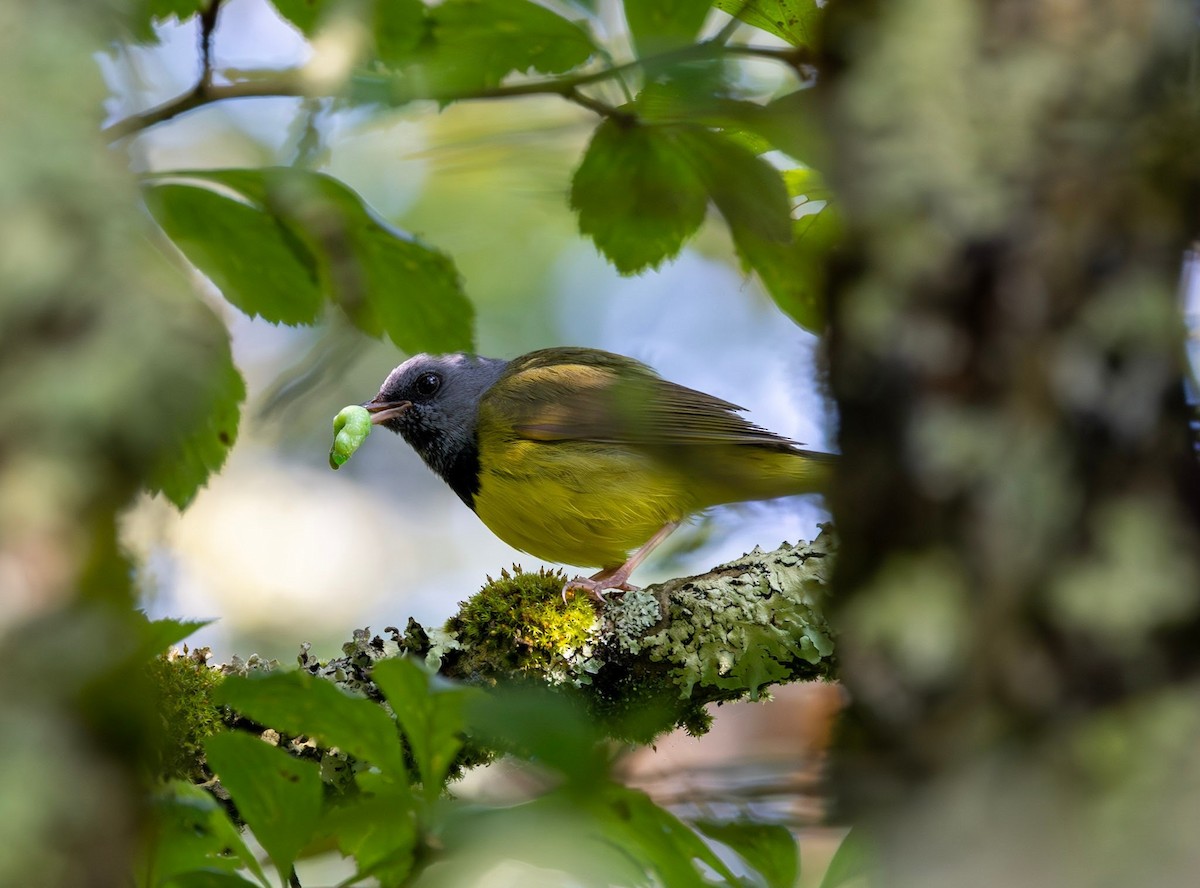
(297, 703)
(158, 635)
(480, 41)
(195, 453)
(657, 838)
(144, 14)
(541, 726)
(385, 281)
(793, 273)
(208, 879)
(556, 832)
(398, 26)
(660, 25)
(190, 832)
(793, 20)
(770, 849)
(377, 828)
(851, 861)
(637, 194)
(305, 14)
(277, 795)
(432, 717)
(788, 124)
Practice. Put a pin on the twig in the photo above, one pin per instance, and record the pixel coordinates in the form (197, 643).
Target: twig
(208, 25)
(291, 83)
(203, 94)
(600, 108)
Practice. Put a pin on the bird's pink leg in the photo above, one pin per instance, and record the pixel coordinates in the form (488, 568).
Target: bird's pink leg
(618, 577)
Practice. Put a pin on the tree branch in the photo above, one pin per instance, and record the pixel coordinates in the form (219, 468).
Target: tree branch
(292, 82)
(202, 94)
(641, 665)
(644, 663)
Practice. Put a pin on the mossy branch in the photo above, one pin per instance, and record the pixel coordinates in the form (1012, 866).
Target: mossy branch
(641, 665)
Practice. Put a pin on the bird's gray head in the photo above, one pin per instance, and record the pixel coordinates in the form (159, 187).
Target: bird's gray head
(433, 401)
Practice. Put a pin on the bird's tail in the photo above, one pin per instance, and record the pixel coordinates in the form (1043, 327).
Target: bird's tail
(750, 472)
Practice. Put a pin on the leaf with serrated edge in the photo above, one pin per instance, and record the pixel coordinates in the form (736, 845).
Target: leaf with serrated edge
(192, 836)
(297, 703)
(792, 20)
(278, 795)
(478, 42)
(384, 280)
(256, 263)
(200, 441)
(432, 718)
(637, 195)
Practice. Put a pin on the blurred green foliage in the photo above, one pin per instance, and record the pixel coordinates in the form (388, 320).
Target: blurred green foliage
(395, 819)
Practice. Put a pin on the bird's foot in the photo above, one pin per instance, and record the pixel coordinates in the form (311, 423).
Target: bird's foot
(597, 585)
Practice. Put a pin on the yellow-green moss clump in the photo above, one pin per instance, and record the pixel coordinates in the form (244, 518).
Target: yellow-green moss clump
(519, 623)
(183, 686)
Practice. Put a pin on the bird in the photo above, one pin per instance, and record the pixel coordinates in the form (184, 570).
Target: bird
(585, 457)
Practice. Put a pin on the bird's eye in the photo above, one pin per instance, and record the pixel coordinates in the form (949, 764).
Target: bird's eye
(427, 384)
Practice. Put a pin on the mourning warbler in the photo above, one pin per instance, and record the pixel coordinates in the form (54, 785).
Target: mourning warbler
(582, 456)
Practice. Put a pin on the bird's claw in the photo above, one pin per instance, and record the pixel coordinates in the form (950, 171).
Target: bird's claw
(596, 587)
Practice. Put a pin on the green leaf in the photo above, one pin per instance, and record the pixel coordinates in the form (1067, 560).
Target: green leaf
(638, 196)
(749, 192)
(142, 15)
(661, 25)
(793, 20)
(307, 15)
(252, 258)
(851, 861)
(378, 829)
(432, 717)
(398, 26)
(278, 796)
(297, 703)
(158, 635)
(208, 879)
(542, 726)
(768, 848)
(793, 273)
(656, 837)
(191, 833)
(385, 281)
(792, 123)
(199, 440)
(480, 41)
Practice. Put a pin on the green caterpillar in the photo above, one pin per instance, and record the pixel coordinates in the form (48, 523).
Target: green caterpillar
(350, 428)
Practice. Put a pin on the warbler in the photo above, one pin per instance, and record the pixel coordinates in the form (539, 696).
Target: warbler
(584, 457)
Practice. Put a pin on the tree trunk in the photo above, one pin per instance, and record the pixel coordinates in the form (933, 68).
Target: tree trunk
(1019, 500)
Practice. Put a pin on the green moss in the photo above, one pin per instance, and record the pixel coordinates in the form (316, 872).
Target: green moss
(519, 623)
(183, 686)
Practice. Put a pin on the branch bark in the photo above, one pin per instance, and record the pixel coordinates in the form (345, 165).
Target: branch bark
(641, 665)
(645, 663)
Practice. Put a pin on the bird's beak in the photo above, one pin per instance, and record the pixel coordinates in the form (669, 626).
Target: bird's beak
(382, 411)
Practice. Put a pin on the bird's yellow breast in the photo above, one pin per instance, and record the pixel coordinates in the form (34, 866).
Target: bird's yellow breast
(574, 502)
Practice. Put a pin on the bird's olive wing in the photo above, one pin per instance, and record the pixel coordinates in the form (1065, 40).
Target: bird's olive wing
(584, 395)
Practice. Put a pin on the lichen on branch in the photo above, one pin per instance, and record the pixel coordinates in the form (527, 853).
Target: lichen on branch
(644, 663)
